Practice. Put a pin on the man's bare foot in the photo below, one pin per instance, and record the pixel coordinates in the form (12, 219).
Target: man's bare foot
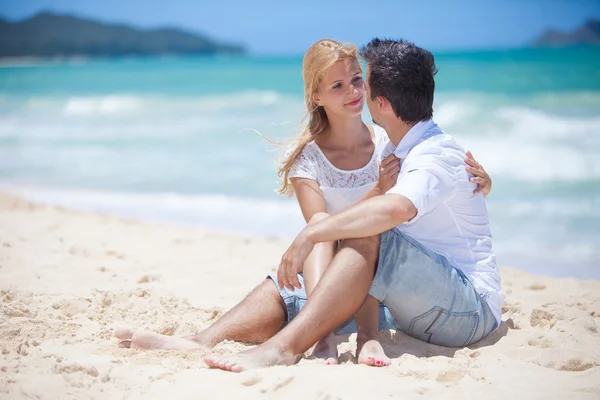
(326, 350)
(146, 340)
(258, 357)
(370, 352)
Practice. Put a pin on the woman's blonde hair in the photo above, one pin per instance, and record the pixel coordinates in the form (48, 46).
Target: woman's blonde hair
(319, 58)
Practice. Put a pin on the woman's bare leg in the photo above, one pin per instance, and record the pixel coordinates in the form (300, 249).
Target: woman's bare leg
(368, 348)
(314, 268)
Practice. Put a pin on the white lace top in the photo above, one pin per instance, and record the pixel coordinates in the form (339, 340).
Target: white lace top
(340, 188)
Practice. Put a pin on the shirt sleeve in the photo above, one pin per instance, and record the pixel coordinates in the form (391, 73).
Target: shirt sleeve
(426, 182)
(303, 167)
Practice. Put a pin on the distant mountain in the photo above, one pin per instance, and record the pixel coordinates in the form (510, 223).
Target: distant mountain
(588, 34)
(49, 35)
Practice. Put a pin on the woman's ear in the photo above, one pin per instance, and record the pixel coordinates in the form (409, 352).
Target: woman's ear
(316, 99)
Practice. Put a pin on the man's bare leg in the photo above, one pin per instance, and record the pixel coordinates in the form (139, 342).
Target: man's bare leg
(255, 319)
(349, 277)
(368, 349)
(314, 267)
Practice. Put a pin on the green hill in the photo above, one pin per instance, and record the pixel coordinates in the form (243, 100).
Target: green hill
(50, 35)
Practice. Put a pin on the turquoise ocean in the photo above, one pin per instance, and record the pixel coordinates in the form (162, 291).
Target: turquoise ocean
(169, 139)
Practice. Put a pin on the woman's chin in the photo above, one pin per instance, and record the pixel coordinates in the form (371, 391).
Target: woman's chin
(356, 112)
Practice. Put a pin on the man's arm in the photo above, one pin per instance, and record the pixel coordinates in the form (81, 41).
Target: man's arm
(367, 218)
(364, 219)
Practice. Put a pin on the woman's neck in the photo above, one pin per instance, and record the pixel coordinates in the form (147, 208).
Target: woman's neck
(346, 133)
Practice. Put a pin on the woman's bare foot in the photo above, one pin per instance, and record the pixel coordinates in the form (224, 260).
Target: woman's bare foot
(147, 340)
(326, 350)
(258, 357)
(370, 352)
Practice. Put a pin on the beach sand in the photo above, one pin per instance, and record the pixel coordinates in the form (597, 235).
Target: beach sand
(68, 278)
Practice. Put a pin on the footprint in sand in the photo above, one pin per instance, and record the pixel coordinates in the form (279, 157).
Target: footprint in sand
(71, 307)
(115, 254)
(543, 318)
(536, 286)
(252, 379)
(282, 382)
(511, 308)
(564, 359)
(452, 375)
(149, 278)
(73, 368)
(541, 342)
(79, 251)
(23, 348)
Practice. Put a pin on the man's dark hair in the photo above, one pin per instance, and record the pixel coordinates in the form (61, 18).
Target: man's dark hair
(402, 73)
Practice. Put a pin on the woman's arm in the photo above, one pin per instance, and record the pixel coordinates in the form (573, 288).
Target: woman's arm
(481, 178)
(389, 169)
(310, 198)
(314, 209)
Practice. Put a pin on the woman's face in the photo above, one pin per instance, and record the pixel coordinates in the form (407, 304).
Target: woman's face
(342, 89)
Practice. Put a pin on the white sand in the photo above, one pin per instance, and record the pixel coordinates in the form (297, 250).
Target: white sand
(68, 278)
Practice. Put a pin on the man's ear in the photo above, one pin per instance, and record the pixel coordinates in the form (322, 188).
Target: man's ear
(383, 104)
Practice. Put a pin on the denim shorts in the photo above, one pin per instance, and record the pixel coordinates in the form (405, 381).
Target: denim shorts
(420, 294)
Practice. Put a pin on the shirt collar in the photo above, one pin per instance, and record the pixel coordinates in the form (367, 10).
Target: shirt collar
(418, 133)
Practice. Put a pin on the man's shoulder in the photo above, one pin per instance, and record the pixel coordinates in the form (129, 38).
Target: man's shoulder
(438, 149)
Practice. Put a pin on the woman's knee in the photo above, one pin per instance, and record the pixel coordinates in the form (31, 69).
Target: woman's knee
(322, 251)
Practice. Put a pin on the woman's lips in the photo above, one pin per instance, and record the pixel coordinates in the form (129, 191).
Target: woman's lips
(355, 102)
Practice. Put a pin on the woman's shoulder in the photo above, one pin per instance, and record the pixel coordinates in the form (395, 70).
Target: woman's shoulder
(306, 155)
(306, 163)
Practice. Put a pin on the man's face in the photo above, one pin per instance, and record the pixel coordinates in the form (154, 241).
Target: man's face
(372, 104)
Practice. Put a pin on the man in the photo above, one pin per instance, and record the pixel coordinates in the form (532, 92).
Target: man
(423, 249)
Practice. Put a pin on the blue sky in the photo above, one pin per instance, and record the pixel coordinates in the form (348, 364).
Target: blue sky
(283, 27)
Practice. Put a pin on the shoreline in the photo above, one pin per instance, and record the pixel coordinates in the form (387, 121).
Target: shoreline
(261, 217)
(193, 208)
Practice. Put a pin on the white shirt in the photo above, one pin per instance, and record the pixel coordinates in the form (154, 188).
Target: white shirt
(450, 220)
(340, 188)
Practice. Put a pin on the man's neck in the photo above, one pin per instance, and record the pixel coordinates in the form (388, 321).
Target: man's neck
(397, 129)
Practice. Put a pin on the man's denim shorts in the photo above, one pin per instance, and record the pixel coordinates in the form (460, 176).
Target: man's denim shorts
(420, 293)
